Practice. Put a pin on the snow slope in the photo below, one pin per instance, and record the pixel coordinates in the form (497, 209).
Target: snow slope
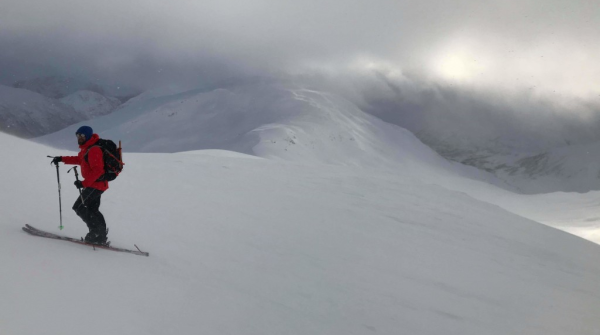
(91, 104)
(245, 245)
(28, 114)
(576, 213)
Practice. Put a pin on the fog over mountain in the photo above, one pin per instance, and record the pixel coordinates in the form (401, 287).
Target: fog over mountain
(57, 86)
(483, 83)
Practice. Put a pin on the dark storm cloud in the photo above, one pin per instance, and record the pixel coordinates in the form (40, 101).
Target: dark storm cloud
(148, 42)
(465, 118)
(469, 65)
(524, 70)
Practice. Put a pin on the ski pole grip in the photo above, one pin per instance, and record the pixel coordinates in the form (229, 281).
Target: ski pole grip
(55, 163)
(76, 174)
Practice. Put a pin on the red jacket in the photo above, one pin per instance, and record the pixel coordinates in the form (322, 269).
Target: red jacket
(93, 168)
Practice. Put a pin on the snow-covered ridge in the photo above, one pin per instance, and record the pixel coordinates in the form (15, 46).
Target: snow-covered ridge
(91, 104)
(518, 136)
(28, 114)
(57, 87)
(271, 121)
(568, 168)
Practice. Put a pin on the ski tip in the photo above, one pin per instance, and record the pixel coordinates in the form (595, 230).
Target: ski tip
(143, 253)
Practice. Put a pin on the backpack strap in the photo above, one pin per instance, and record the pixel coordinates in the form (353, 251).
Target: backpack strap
(113, 156)
(103, 151)
(88, 151)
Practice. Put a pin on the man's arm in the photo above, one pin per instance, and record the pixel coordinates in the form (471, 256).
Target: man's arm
(72, 160)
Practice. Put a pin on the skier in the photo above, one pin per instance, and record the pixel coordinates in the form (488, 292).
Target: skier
(92, 167)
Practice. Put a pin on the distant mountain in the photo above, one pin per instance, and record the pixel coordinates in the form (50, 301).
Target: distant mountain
(57, 86)
(291, 123)
(566, 168)
(273, 121)
(265, 121)
(169, 90)
(28, 114)
(91, 104)
(521, 137)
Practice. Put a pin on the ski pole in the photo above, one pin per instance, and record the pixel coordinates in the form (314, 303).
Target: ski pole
(77, 178)
(59, 196)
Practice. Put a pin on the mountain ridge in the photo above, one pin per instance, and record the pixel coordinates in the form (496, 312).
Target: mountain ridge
(273, 121)
(28, 114)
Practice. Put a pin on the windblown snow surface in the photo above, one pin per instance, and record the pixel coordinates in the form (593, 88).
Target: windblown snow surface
(285, 241)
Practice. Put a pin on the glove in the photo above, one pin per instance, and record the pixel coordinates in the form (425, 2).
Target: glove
(56, 160)
(79, 184)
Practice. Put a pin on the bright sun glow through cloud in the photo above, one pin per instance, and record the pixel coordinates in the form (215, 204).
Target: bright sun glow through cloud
(459, 65)
(544, 67)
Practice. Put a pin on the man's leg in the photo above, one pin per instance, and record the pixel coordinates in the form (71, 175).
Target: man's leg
(89, 212)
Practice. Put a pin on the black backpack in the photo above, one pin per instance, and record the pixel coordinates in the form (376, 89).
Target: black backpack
(111, 155)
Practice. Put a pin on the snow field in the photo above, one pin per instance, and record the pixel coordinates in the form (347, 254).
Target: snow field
(244, 245)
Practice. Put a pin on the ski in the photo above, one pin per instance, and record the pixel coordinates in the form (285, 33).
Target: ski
(37, 232)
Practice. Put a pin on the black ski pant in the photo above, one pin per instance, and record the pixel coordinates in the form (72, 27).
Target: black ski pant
(88, 210)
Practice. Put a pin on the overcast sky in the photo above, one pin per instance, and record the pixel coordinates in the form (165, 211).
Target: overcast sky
(548, 46)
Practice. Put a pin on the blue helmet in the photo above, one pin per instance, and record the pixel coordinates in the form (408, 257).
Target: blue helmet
(85, 130)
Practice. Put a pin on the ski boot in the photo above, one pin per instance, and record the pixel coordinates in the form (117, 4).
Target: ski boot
(97, 236)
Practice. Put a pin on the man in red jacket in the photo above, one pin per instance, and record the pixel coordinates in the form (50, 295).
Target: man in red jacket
(92, 169)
